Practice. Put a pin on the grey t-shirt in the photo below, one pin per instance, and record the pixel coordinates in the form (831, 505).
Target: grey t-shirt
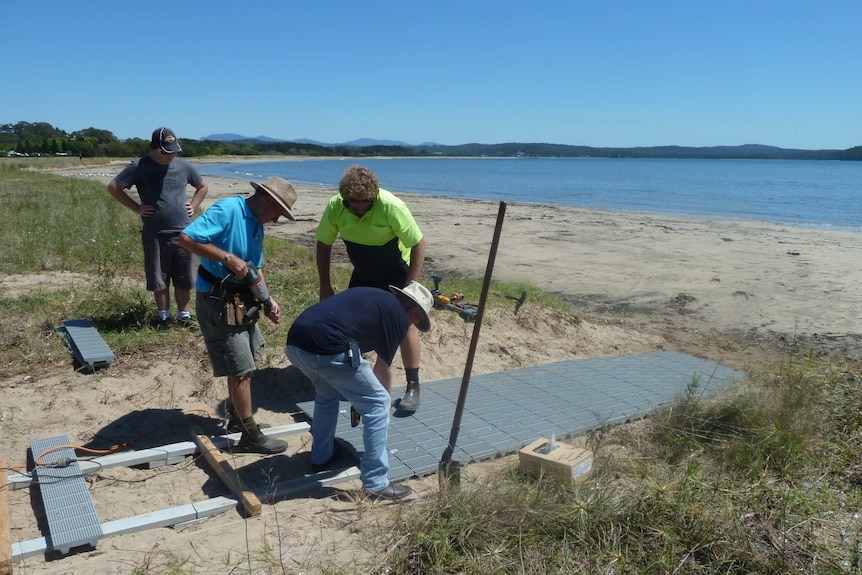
(163, 187)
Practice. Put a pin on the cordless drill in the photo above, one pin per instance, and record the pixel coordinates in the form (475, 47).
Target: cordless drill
(257, 285)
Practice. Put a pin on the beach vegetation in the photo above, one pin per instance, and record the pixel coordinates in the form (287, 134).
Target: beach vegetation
(762, 477)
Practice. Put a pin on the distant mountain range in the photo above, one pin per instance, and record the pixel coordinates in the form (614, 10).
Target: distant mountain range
(42, 137)
(368, 146)
(355, 143)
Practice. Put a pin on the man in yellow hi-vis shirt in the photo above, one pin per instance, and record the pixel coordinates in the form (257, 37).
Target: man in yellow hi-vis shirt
(385, 246)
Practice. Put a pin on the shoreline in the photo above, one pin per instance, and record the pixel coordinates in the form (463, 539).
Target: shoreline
(692, 204)
(650, 271)
(212, 160)
(729, 274)
(638, 284)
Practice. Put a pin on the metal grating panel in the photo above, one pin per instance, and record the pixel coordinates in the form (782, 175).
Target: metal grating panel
(87, 345)
(72, 519)
(506, 411)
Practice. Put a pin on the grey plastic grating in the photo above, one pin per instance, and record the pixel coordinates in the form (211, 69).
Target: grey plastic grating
(87, 345)
(507, 410)
(72, 519)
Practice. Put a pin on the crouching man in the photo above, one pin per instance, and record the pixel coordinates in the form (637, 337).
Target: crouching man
(326, 343)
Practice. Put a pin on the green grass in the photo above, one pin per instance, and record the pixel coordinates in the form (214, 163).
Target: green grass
(69, 225)
(761, 479)
(72, 225)
(65, 224)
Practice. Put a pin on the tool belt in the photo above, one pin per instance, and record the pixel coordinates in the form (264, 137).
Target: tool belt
(237, 298)
(221, 287)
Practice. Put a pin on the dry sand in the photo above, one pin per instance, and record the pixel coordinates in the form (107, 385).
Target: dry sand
(725, 290)
(650, 272)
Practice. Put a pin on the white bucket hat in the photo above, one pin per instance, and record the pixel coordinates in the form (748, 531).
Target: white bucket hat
(416, 295)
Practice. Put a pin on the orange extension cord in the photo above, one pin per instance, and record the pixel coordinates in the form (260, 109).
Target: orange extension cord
(38, 460)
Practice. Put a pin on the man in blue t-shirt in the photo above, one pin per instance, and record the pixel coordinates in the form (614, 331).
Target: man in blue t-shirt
(161, 179)
(326, 343)
(229, 239)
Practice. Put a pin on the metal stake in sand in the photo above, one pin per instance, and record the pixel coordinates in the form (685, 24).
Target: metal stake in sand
(449, 469)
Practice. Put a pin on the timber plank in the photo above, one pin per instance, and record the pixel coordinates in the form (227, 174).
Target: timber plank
(226, 473)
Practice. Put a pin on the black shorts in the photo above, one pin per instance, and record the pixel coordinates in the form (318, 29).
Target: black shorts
(396, 277)
(165, 261)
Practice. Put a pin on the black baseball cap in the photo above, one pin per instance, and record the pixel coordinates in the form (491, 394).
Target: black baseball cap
(166, 141)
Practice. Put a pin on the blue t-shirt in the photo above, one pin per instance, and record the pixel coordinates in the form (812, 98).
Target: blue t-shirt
(230, 225)
(373, 318)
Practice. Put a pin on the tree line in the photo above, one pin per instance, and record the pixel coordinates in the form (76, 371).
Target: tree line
(41, 138)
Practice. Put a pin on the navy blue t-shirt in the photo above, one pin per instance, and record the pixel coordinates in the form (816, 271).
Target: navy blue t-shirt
(373, 318)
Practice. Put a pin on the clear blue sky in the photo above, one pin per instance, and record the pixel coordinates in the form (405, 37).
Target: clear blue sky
(596, 73)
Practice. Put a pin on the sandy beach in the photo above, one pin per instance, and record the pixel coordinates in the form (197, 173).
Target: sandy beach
(651, 272)
(729, 291)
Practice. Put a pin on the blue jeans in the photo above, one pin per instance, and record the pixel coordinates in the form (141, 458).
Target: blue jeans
(332, 376)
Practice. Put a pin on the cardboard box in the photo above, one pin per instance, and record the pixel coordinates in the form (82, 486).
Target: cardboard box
(567, 463)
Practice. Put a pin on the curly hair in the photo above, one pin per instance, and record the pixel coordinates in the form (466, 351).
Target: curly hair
(359, 183)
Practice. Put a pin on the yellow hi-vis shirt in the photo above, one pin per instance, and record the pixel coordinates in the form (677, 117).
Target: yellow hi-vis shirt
(371, 240)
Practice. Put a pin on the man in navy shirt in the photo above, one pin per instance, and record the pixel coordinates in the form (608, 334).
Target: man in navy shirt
(326, 343)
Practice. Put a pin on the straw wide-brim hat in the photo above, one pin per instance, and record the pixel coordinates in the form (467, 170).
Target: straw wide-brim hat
(416, 295)
(281, 191)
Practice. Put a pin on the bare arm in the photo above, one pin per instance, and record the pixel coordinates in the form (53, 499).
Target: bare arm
(235, 264)
(324, 258)
(200, 193)
(417, 258)
(119, 193)
(383, 373)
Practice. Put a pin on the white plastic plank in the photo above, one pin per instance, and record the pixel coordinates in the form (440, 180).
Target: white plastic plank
(164, 454)
(193, 511)
(164, 518)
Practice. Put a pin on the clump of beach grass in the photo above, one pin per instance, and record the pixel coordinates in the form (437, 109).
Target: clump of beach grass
(72, 226)
(760, 478)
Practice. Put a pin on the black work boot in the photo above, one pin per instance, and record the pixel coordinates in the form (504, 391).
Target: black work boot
(392, 492)
(233, 424)
(410, 402)
(253, 441)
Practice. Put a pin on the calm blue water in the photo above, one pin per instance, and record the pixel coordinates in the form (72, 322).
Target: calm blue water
(810, 193)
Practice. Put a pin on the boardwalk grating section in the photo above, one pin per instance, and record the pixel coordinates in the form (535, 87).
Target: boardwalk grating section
(72, 519)
(506, 411)
(90, 350)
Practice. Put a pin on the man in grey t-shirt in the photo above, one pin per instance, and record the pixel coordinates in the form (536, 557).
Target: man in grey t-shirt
(161, 179)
